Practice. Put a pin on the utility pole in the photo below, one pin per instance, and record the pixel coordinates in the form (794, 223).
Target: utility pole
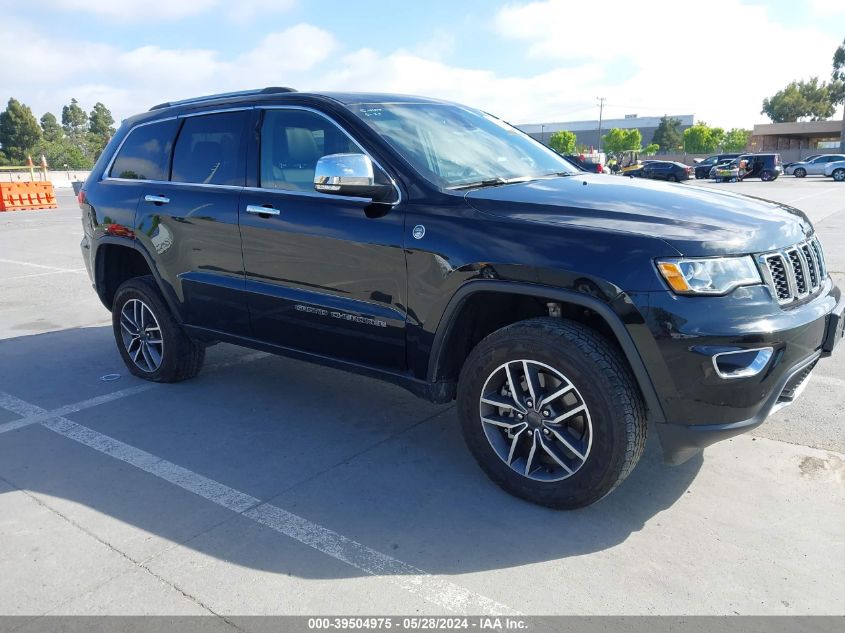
(601, 111)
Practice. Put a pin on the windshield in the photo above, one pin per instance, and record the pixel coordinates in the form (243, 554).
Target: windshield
(455, 146)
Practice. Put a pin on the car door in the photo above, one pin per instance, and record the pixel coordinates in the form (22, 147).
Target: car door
(189, 221)
(816, 166)
(325, 274)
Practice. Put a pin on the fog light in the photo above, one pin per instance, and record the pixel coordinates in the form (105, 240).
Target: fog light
(742, 363)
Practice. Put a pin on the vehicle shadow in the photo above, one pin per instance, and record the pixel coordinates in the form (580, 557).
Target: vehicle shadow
(360, 457)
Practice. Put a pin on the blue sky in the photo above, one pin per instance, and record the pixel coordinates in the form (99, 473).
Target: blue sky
(526, 61)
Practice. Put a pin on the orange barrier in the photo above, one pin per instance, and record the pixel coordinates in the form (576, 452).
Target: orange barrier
(21, 196)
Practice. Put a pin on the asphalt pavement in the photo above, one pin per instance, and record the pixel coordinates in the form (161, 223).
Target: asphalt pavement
(270, 486)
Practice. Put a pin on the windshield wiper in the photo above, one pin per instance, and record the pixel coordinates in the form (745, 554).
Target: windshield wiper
(493, 182)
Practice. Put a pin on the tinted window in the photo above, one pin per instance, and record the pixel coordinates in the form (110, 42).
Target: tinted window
(209, 149)
(292, 141)
(146, 152)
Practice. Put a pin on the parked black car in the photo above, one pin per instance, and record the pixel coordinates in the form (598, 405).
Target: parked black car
(702, 169)
(663, 170)
(766, 167)
(561, 309)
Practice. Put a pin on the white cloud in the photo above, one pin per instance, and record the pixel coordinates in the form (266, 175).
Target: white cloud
(667, 74)
(723, 76)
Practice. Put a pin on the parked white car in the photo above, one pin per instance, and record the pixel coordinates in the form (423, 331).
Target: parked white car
(836, 169)
(814, 166)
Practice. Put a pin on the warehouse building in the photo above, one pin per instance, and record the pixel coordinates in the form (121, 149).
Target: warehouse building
(587, 132)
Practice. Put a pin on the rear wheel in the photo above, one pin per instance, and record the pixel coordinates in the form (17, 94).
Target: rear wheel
(839, 174)
(766, 176)
(153, 345)
(800, 172)
(672, 178)
(550, 411)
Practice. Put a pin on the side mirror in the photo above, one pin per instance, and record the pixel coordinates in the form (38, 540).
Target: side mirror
(348, 175)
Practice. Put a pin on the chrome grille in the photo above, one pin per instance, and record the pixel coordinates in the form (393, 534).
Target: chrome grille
(812, 266)
(796, 272)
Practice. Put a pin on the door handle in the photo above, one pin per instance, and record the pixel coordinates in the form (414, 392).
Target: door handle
(259, 210)
(157, 199)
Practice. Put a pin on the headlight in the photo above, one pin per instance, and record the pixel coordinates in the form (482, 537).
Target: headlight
(715, 276)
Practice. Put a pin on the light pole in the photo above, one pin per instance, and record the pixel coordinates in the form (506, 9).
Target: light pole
(601, 111)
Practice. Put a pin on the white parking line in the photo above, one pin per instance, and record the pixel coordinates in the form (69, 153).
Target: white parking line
(442, 593)
(35, 415)
(829, 380)
(51, 268)
(50, 272)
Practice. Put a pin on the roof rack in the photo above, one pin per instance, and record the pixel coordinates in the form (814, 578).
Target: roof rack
(223, 95)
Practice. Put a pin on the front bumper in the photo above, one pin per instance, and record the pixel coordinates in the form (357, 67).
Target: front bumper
(700, 406)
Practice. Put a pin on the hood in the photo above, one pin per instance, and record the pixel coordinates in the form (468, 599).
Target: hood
(694, 220)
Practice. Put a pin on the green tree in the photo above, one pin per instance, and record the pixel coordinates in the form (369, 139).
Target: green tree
(63, 151)
(837, 86)
(736, 140)
(19, 131)
(563, 142)
(800, 100)
(702, 139)
(50, 127)
(101, 122)
(74, 120)
(618, 140)
(100, 128)
(651, 149)
(668, 134)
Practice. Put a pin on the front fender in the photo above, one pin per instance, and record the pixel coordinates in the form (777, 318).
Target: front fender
(620, 314)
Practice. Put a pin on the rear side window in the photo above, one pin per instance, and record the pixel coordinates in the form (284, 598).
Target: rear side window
(145, 155)
(210, 149)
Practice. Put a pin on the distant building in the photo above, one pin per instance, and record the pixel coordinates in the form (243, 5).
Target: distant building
(812, 135)
(587, 132)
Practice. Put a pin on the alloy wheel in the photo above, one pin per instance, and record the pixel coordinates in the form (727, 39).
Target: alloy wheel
(536, 420)
(141, 335)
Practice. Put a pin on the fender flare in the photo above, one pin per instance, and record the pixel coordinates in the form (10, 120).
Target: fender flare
(604, 310)
(126, 242)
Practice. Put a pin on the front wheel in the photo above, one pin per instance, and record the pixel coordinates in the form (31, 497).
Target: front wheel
(800, 172)
(551, 412)
(767, 176)
(153, 345)
(839, 175)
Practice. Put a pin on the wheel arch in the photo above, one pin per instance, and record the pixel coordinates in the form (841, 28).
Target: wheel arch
(118, 259)
(447, 357)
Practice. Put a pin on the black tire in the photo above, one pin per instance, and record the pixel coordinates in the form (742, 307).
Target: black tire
(839, 174)
(800, 172)
(181, 358)
(766, 176)
(604, 382)
(672, 178)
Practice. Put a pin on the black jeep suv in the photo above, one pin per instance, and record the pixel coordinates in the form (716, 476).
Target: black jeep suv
(435, 246)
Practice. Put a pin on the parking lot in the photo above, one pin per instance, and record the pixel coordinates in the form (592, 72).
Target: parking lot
(270, 486)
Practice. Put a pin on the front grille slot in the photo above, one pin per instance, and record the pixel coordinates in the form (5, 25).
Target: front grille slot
(812, 267)
(777, 269)
(817, 249)
(796, 272)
